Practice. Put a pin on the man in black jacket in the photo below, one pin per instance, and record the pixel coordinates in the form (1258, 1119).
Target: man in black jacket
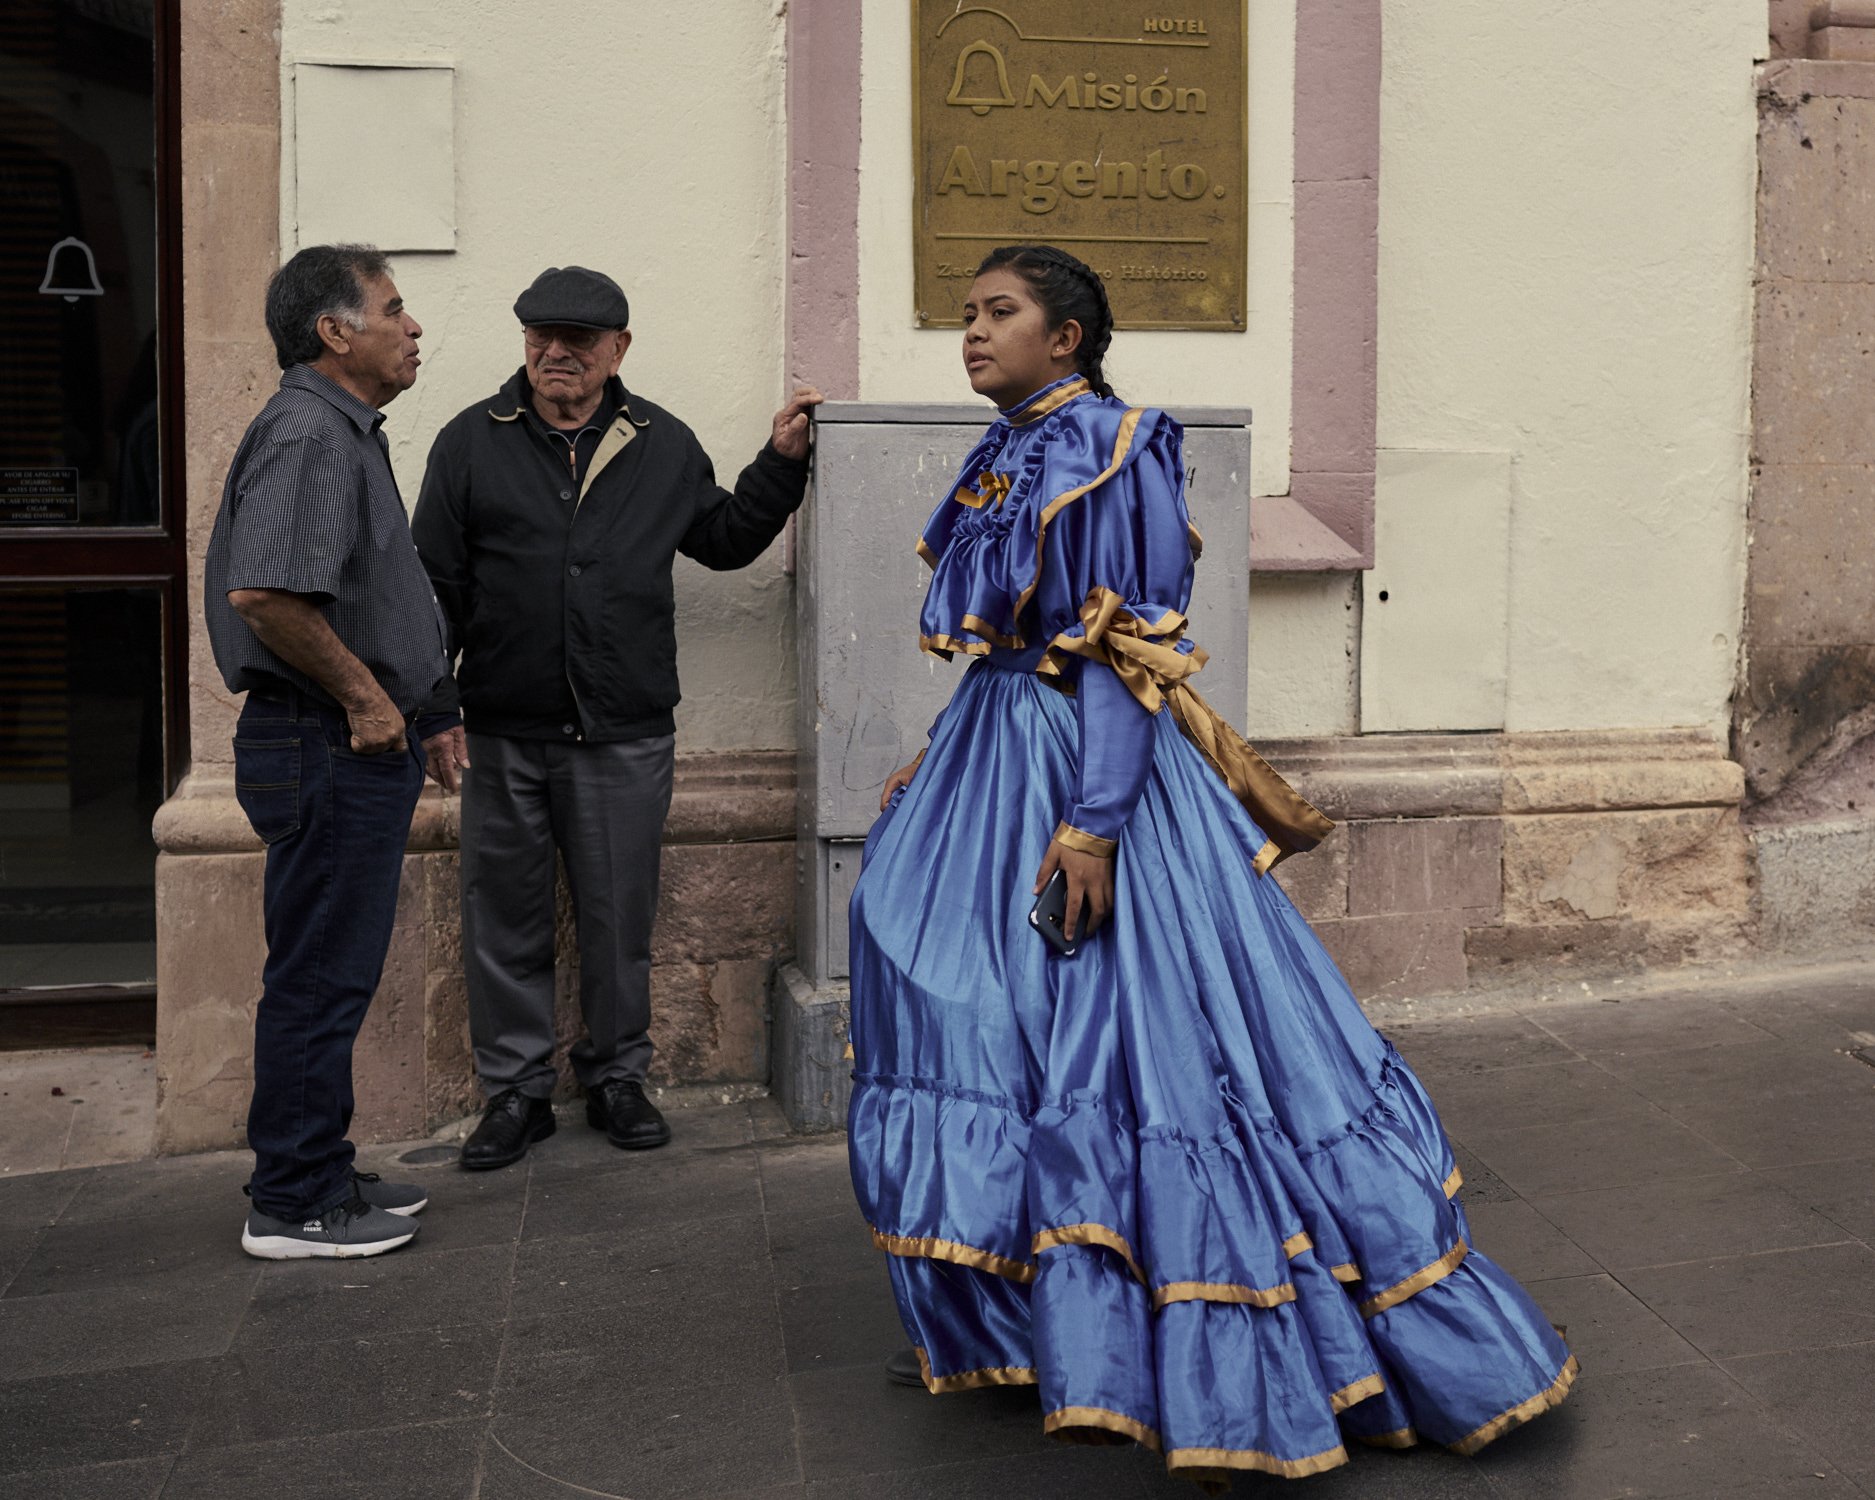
(549, 519)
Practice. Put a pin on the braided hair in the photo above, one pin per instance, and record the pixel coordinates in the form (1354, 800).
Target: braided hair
(1066, 288)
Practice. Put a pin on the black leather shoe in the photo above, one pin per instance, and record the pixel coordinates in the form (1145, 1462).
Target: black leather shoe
(903, 1369)
(511, 1123)
(630, 1121)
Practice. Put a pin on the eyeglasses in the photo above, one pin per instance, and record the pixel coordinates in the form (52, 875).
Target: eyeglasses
(579, 340)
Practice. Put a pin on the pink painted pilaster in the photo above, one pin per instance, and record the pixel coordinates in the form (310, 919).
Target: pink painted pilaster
(1328, 520)
(822, 318)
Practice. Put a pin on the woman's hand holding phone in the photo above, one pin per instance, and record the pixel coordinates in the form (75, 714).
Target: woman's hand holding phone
(1090, 888)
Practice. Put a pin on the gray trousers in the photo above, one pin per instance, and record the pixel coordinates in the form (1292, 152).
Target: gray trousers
(602, 807)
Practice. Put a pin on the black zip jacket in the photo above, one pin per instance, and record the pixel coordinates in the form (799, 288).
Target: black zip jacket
(559, 593)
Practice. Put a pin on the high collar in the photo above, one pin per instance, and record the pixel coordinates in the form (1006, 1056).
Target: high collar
(362, 414)
(1048, 399)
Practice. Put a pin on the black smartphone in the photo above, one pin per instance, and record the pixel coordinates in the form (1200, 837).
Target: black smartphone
(1049, 915)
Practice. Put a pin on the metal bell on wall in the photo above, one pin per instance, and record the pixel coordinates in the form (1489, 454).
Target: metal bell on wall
(71, 272)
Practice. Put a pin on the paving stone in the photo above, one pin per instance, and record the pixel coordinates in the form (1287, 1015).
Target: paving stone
(1627, 1150)
(116, 1252)
(1824, 1395)
(831, 1324)
(639, 1190)
(37, 1198)
(1480, 1184)
(831, 1247)
(647, 1345)
(115, 1327)
(426, 1462)
(103, 1416)
(1790, 1130)
(301, 1301)
(1068, 1473)
(1665, 1222)
(671, 1443)
(1525, 1243)
(16, 1248)
(1662, 1434)
(209, 1186)
(1638, 1027)
(348, 1385)
(1554, 1094)
(812, 1178)
(1842, 1191)
(131, 1479)
(854, 1423)
(1611, 1331)
(1761, 1304)
(466, 1209)
(1731, 1076)
(1477, 1044)
(647, 1266)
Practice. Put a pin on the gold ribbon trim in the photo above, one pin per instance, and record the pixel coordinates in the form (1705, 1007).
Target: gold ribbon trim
(1400, 1437)
(1348, 1395)
(1142, 655)
(991, 490)
(1099, 1417)
(1452, 1184)
(1181, 1459)
(1394, 1295)
(1345, 1273)
(1052, 402)
(1123, 441)
(1089, 1234)
(1223, 1291)
(962, 1255)
(1296, 1244)
(970, 1380)
(1070, 837)
(1557, 1392)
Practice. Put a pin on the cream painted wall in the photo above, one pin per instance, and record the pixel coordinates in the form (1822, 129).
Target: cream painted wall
(610, 136)
(1566, 219)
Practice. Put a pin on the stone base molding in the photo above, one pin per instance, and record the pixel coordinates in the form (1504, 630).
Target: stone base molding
(725, 918)
(1465, 859)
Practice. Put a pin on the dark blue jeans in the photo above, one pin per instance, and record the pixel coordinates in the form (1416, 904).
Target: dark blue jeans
(335, 824)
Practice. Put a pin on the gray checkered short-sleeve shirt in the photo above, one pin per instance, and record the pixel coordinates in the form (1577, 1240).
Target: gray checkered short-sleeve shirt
(311, 507)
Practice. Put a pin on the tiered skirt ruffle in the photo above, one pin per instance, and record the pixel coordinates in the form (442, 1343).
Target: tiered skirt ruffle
(1177, 1182)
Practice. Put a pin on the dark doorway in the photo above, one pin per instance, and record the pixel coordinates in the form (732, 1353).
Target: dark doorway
(91, 547)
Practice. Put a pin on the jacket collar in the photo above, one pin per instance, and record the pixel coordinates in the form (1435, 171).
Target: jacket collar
(517, 395)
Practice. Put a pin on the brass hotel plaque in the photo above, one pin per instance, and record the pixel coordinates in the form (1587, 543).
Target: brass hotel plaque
(1113, 131)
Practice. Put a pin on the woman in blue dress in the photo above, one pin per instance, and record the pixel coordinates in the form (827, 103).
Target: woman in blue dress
(1176, 1180)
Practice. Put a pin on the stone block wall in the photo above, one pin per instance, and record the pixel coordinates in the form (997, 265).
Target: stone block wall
(1469, 859)
(1804, 726)
(726, 918)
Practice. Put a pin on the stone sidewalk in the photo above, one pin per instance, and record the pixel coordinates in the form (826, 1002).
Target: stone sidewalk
(1686, 1181)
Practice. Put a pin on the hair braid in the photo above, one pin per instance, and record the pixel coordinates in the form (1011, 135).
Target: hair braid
(1067, 288)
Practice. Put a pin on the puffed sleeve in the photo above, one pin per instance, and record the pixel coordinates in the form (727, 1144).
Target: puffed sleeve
(1115, 579)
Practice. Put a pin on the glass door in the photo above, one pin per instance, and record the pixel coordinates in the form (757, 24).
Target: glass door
(92, 642)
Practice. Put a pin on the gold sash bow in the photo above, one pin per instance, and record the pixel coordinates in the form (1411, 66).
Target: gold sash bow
(1157, 675)
(991, 490)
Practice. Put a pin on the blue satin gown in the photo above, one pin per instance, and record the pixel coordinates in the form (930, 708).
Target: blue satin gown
(1176, 1181)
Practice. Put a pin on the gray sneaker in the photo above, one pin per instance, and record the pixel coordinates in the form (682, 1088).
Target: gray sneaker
(353, 1228)
(404, 1198)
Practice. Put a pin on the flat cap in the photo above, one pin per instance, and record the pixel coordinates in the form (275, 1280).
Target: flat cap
(573, 295)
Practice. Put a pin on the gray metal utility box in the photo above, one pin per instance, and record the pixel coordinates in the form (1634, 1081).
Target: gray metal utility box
(868, 694)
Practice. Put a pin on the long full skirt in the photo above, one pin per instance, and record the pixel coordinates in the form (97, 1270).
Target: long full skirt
(1177, 1181)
